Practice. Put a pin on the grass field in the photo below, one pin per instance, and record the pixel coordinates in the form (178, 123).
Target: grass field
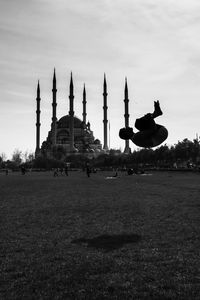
(134, 237)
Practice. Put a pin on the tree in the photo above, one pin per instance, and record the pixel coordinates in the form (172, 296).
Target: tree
(28, 156)
(2, 157)
(17, 157)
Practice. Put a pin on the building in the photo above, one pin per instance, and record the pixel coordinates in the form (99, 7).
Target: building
(70, 134)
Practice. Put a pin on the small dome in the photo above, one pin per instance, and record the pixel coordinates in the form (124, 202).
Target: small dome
(65, 121)
(97, 142)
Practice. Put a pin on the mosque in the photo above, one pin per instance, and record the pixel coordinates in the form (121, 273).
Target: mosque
(70, 133)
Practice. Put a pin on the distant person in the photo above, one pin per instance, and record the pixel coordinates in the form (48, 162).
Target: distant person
(116, 173)
(61, 171)
(130, 171)
(23, 170)
(55, 173)
(66, 170)
(150, 134)
(6, 172)
(88, 170)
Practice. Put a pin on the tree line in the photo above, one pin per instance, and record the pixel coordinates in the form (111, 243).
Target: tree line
(185, 153)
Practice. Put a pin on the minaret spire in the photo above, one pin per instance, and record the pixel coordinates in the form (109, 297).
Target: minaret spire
(105, 120)
(37, 150)
(126, 115)
(54, 105)
(126, 89)
(71, 114)
(54, 75)
(38, 88)
(84, 105)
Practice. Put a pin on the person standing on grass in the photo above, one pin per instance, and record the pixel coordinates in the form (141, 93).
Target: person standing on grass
(88, 170)
(66, 170)
(23, 170)
(55, 173)
(61, 171)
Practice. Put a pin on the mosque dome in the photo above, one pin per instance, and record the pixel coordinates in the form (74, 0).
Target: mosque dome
(97, 142)
(65, 121)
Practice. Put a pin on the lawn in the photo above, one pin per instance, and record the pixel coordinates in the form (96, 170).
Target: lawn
(133, 237)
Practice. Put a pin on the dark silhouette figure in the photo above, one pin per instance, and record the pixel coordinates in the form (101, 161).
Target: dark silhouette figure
(66, 170)
(130, 171)
(116, 174)
(150, 134)
(55, 173)
(88, 170)
(23, 170)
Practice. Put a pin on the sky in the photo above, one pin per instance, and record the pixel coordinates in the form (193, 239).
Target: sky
(153, 43)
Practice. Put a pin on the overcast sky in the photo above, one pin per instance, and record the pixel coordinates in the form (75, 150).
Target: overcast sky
(154, 43)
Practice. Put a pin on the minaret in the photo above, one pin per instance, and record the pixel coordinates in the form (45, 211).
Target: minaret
(37, 150)
(54, 105)
(84, 105)
(105, 120)
(71, 114)
(126, 115)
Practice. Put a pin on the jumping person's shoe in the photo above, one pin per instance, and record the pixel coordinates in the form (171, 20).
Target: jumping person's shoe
(126, 133)
(157, 110)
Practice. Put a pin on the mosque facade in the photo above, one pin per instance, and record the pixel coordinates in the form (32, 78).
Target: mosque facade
(70, 133)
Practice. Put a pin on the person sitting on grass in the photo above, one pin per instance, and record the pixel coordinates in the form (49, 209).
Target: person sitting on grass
(150, 134)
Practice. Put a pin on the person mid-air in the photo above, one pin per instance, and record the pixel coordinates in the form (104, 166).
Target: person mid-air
(150, 134)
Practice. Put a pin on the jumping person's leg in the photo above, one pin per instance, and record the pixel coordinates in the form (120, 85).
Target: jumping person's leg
(147, 121)
(157, 110)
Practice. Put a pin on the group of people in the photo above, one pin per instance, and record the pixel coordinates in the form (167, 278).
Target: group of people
(61, 171)
(65, 171)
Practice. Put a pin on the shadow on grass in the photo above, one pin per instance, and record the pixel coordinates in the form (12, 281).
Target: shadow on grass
(109, 242)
